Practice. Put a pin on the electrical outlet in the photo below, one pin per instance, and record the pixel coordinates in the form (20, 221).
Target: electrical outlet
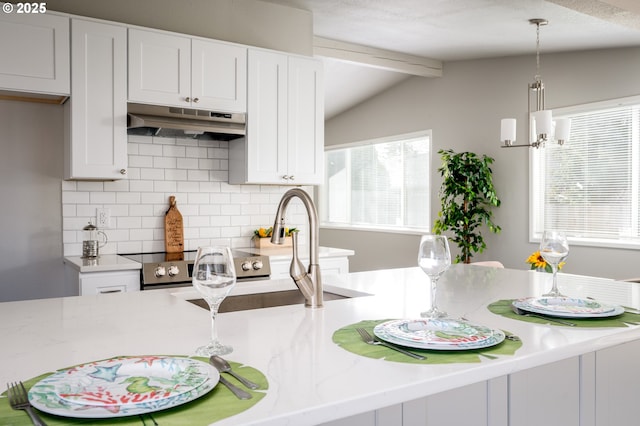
(103, 218)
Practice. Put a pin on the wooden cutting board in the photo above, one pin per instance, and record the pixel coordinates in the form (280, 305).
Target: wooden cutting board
(173, 228)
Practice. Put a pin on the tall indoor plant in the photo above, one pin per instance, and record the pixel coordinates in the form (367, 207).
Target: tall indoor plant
(467, 195)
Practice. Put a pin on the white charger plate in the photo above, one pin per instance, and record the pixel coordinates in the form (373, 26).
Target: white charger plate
(438, 334)
(64, 393)
(568, 307)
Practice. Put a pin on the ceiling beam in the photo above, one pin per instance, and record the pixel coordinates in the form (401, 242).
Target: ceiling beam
(377, 58)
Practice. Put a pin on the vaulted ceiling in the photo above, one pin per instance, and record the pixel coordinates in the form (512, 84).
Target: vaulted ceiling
(371, 45)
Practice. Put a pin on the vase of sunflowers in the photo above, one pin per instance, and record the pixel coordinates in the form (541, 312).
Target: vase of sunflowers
(537, 263)
(262, 238)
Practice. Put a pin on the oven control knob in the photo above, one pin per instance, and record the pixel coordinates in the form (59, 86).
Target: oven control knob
(160, 271)
(257, 265)
(246, 265)
(173, 270)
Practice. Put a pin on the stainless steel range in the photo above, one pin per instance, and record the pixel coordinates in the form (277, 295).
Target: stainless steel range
(166, 270)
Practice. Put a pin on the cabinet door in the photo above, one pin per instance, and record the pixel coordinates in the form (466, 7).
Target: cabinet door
(618, 384)
(109, 282)
(159, 68)
(219, 76)
(533, 401)
(96, 132)
(305, 160)
(266, 117)
(35, 53)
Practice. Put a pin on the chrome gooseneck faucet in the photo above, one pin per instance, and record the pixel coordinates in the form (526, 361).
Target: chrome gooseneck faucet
(309, 282)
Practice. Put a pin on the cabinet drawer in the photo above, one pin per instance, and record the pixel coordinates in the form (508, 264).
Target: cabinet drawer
(109, 282)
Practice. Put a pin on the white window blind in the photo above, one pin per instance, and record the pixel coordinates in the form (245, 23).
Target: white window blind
(589, 187)
(381, 184)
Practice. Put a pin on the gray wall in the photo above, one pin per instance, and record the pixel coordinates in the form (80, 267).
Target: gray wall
(464, 108)
(31, 165)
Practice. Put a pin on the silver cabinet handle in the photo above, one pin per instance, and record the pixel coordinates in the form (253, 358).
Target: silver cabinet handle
(123, 171)
(187, 99)
(196, 100)
(110, 291)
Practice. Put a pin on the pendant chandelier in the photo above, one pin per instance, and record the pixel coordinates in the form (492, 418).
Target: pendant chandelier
(542, 127)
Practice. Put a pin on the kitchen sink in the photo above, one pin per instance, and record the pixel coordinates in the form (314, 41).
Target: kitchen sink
(247, 302)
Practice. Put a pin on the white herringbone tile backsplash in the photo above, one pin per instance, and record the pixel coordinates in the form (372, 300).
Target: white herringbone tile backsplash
(196, 172)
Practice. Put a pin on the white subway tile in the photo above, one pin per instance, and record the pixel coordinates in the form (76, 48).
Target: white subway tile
(141, 210)
(69, 197)
(210, 210)
(198, 175)
(141, 185)
(141, 234)
(128, 197)
(193, 170)
(152, 174)
(231, 209)
(175, 175)
(150, 150)
(102, 197)
(164, 162)
(196, 152)
(164, 186)
(117, 186)
(129, 222)
(140, 161)
(90, 186)
(152, 198)
(198, 198)
(173, 151)
(187, 163)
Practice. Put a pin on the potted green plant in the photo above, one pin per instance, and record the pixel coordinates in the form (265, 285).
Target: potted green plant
(467, 195)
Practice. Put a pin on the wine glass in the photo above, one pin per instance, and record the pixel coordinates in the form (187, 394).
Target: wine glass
(554, 249)
(434, 258)
(214, 276)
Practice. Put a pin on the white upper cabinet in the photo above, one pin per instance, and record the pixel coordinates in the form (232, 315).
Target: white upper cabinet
(34, 53)
(96, 122)
(167, 69)
(305, 148)
(285, 122)
(219, 75)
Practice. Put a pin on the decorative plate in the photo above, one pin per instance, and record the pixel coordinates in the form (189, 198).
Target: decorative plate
(438, 334)
(568, 307)
(123, 386)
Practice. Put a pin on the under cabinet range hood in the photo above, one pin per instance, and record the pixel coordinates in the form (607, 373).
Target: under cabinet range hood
(157, 120)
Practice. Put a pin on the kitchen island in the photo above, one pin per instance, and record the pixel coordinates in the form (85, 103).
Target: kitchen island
(559, 376)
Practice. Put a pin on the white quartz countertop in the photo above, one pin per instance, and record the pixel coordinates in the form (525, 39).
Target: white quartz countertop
(311, 379)
(286, 253)
(114, 262)
(102, 263)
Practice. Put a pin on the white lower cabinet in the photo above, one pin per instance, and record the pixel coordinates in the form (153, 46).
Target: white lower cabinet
(617, 375)
(595, 389)
(104, 282)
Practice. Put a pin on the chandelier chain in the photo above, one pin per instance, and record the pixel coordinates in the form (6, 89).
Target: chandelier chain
(537, 77)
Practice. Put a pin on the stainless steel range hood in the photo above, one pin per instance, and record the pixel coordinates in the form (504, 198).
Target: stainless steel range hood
(168, 121)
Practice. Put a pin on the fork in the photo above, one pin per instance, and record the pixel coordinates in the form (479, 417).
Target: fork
(19, 401)
(369, 340)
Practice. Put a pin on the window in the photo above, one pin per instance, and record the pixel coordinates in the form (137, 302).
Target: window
(381, 184)
(590, 187)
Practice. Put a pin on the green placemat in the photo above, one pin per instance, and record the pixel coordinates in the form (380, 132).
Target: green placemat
(216, 405)
(348, 338)
(503, 307)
